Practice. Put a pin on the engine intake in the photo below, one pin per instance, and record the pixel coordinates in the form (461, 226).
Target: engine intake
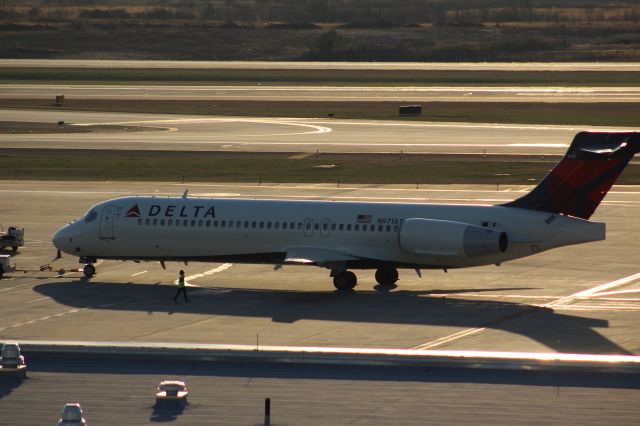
(431, 237)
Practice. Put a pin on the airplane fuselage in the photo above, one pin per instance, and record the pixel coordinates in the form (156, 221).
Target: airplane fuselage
(331, 234)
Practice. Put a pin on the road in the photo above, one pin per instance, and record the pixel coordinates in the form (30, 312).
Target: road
(205, 133)
(114, 392)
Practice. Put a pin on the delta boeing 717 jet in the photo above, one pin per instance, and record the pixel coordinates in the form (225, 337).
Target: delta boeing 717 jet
(347, 236)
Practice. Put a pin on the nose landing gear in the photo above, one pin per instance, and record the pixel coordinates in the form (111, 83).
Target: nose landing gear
(89, 270)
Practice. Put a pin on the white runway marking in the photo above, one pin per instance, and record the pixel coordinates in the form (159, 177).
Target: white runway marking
(139, 273)
(220, 268)
(559, 303)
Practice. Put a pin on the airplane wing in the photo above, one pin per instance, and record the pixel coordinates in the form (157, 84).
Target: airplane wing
(316, 256)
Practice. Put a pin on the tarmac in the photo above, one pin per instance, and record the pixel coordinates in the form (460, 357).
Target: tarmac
(575, 300)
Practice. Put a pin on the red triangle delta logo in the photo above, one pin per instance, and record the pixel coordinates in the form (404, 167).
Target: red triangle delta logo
(133, 212)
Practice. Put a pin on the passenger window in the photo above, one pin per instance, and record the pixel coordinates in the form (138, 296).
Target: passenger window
(155, 222)
(349, 227)
(341, 227)
(325, 226)
(268, 225)
(292, 225)
(276, 225)
(177, 222)
(161, 222)
(253, 224)
(170, 222)
(316, 226)
(379, 228)
(395, 228)
(215, 223)
(356, 228)
(208, 224)
(333, 226)
(239, 224)
(284, 225)
(147, 222)
(185, 222)
(193, 222)
(246, 223)
(230, 224)
(200, 223)
(261, 225)
(299, 226)
(223, 223)
(308, 226)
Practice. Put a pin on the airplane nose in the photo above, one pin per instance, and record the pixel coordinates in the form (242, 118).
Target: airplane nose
(63, 239)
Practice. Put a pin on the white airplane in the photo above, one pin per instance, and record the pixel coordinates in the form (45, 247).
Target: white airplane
(341, 236)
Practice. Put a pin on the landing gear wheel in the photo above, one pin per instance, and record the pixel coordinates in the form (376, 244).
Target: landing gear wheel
(14, 248)
(387, 277)
(89, 270)
(345, 280)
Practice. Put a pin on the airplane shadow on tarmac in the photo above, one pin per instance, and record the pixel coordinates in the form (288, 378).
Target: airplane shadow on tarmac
(560, 332)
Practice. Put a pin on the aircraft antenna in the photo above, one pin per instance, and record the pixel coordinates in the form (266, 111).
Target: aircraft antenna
(184, 194)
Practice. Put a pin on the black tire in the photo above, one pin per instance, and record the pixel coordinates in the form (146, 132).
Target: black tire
(89, 270)
(14, 248)
(387, 277)
(345, 280)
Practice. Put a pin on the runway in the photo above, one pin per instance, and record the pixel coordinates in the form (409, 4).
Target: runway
(428, 66)
(458, 93)
(205, 133)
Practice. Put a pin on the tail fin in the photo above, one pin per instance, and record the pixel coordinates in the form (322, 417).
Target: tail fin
(579, 182)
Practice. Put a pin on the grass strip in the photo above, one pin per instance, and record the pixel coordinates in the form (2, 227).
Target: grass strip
(171, 166)
(625, 114)
(317, 77)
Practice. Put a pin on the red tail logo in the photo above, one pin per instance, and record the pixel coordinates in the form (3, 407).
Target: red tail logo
(133, 212)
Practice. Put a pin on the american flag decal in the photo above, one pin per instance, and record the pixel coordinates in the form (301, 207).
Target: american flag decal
(364, 218)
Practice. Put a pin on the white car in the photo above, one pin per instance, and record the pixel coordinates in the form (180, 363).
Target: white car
(172, 390)
(11, 358)
(72, 415)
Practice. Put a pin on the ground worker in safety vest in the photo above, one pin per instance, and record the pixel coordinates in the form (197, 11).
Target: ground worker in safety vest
(181, 288)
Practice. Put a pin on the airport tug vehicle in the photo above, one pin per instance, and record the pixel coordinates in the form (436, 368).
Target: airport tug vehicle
(12, 362)
(14, 238)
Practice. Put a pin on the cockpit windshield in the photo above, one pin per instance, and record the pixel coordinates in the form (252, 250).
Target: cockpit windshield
(91, 215)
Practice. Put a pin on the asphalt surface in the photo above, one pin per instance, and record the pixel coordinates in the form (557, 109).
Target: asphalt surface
(204, 133)
(122, 393)
(486, 66)
(325, 93)
(580, 299)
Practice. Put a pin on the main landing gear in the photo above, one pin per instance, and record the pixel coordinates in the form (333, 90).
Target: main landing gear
(347, 280)
(344, 280)
(387, 277)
